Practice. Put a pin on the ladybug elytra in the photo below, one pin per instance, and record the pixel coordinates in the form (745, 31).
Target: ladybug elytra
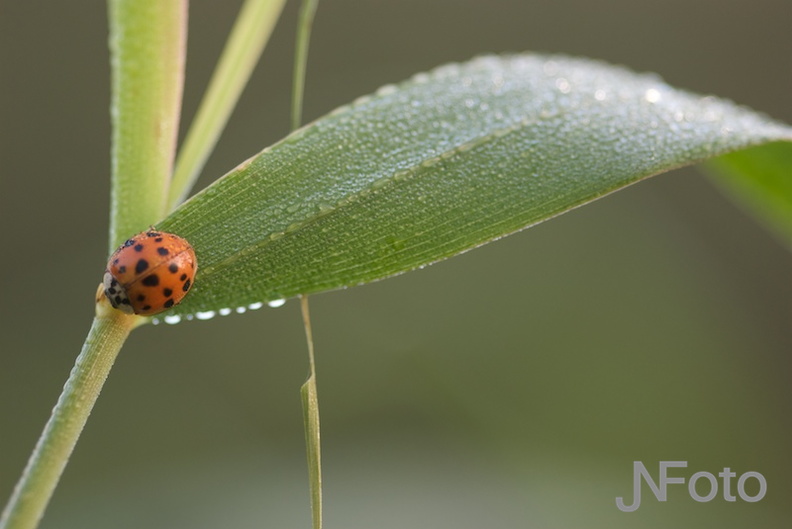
(150, 273)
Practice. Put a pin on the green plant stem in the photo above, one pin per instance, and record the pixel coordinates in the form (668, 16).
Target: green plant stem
(250, 34)
(147, 44)
(34, 489)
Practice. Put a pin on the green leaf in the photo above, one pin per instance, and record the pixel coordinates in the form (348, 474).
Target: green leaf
(761, 179)
(147, 41)
(440, 164)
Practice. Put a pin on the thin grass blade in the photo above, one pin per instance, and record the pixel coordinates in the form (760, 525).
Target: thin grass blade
(247, 40)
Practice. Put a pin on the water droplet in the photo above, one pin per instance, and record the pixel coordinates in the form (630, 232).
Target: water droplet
(207, 315)
(387, 90)
(172, 319)
(241, 310)
(244, 165)
(362, 100)
(275, 303)
(382, 182)
(550, 68)
(255, 306)
(224, 312)
(396, 243)
(563, 85)
(429, 162)
(325, 208)
(600, 95)
(653, 95)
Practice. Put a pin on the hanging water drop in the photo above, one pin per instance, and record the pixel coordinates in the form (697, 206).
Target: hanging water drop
(653, 95)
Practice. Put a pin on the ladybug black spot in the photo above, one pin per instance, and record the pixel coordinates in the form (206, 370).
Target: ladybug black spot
(162, 251)
(122, 269)
(141, 297)
(129, 242)
(168, 304)
(186, 286)
(183, 277)
(145, 307)
(138, 247)
(153, 233)
(158, 239)
(173, 268)
(141, 266)
(151, 281)
(167, 292)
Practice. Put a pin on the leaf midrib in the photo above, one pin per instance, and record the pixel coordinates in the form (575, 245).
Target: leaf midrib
(455, 152)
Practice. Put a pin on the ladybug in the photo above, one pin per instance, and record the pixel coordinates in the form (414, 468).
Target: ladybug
(150, 273)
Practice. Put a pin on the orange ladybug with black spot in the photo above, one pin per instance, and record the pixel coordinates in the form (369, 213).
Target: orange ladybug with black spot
(150, 273)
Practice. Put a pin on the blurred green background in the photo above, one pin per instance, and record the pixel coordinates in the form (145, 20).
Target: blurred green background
(510, 387)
